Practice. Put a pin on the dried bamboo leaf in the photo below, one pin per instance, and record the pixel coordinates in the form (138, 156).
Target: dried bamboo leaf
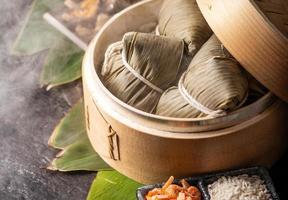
(36, 35)
(214, 83)
(62, 64)
(184, 20)
(172, 104)
(70, 129)
(215, 79)
(79, 155)
(112, 185)
(156, 59)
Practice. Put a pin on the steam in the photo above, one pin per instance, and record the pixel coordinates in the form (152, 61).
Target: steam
(28, 115)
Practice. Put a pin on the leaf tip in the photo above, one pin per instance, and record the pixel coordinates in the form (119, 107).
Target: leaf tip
(49, 87)
(51, 167)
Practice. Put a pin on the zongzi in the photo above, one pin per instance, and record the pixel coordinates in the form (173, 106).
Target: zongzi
(213, 85)
(184, 20)
(173, 104)
(140, 67)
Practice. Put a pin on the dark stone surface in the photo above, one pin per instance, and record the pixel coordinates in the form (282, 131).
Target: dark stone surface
(28, 114)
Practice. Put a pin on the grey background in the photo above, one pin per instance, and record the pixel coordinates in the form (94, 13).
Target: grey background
(28, 115)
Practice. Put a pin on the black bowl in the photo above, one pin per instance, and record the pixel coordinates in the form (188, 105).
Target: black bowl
(203, 181)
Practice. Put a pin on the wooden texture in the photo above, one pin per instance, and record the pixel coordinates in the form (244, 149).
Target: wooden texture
(149, 149)
(277, 13)
(255, 35)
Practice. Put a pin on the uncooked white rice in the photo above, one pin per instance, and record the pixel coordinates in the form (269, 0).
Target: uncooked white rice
(243, 187)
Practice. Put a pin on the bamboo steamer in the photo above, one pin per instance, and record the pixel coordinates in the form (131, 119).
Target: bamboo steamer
(256, 33)
(150, 148)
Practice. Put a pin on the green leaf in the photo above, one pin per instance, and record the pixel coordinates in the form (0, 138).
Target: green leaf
(62, 65)
(36, 34)
(77, 152)
(63, 62)
(78, 156)
(112, 185)
(70, 129)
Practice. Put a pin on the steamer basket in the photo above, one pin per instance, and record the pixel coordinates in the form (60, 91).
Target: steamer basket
(150, 148)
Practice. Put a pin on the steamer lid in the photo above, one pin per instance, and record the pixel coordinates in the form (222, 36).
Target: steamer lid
(256, 33)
